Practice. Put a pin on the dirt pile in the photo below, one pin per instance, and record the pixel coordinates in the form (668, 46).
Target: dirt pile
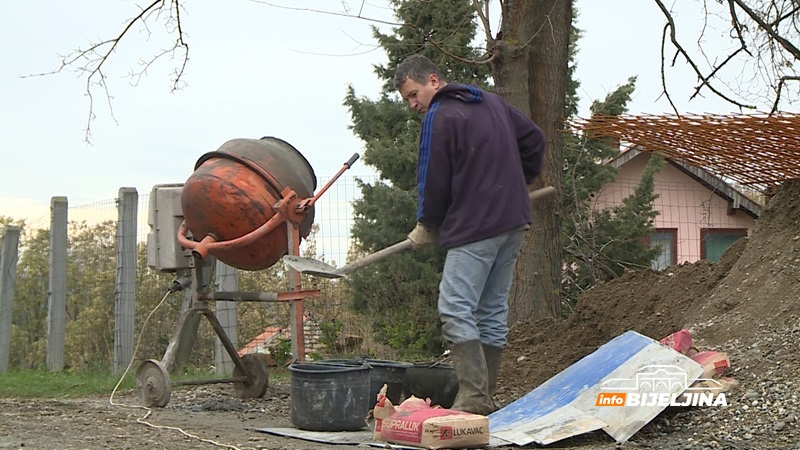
(652, 303)
(747, 305)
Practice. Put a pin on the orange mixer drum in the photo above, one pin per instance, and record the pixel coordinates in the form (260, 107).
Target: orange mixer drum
(231, 193)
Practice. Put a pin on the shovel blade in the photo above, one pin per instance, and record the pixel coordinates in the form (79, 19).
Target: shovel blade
(311, 267)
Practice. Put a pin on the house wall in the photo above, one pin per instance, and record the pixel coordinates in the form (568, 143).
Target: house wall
(683, 204)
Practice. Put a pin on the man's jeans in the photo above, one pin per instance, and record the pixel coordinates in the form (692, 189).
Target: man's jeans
(473, 293)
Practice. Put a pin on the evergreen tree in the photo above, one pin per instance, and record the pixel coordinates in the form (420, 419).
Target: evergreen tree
(600, 244)
(620, 231)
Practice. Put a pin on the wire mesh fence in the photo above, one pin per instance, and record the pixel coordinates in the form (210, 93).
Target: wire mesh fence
(93, 289)
(694, 221)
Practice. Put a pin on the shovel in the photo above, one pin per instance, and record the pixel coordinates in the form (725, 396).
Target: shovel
(318, 268)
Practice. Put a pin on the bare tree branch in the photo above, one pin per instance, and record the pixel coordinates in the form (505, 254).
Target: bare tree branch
(176, 27)
(703, 79)
(332, 13)
(92, 60)
(789, 14)
(765, 31)
(180, 43)
(484, 18)
(781, 83)
(425, 36)
(788, 46)
(663, 72)
(717, 69)
(765, 55)
(737, 26)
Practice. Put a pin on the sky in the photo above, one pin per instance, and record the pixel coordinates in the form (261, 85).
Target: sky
(254, 70)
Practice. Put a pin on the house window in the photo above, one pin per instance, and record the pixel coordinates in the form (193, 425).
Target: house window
(667, 240)
(714, 241)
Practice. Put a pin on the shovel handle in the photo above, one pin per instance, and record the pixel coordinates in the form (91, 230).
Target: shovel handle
(380, 255)
(541, 193)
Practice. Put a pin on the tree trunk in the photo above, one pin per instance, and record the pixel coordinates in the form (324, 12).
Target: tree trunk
(531, 72)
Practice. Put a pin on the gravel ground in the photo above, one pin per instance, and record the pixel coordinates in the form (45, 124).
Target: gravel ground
(762, 414)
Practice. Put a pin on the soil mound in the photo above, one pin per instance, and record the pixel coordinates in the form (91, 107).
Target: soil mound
(745, 305)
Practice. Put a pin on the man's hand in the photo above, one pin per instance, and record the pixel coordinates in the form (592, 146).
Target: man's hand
(422, 236)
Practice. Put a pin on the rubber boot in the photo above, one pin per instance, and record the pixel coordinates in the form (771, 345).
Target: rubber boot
(473, 378)
(493, 357)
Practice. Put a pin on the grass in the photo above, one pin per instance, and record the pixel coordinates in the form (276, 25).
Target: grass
(67, 384)
(64, 384)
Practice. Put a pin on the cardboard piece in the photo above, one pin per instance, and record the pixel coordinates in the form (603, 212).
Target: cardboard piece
(571, 403)
(415, 422)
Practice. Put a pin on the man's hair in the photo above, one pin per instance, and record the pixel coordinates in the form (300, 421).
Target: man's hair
(417, 68)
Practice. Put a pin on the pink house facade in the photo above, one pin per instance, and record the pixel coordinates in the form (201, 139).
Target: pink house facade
(700, 215)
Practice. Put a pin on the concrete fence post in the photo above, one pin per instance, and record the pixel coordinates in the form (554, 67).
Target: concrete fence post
(57, 293)
(226, 281)
(125, 289)
(8, 272)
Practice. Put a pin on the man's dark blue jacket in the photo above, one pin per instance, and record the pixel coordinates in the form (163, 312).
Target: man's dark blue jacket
(477, 154)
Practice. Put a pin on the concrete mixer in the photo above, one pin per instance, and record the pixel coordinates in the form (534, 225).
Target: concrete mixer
(232, 194)
(247, 204)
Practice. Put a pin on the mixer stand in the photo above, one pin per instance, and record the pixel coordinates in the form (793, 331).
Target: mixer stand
(250, 374)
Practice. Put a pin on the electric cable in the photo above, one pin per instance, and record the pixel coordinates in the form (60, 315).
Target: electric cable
(148, 410)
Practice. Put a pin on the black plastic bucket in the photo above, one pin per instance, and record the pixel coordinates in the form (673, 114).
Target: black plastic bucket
(330, 395)
(390, 373)
(436, 381)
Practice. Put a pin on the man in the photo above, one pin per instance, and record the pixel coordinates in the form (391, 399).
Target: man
(477, 156)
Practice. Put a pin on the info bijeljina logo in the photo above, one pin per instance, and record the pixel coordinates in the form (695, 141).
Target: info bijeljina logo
(661, 385)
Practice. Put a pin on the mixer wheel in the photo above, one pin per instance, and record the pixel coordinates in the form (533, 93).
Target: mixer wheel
(257, 369)
(152, 384)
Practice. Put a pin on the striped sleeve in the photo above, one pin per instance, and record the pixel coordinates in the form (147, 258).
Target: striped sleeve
(433, 173)
(424, 156)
